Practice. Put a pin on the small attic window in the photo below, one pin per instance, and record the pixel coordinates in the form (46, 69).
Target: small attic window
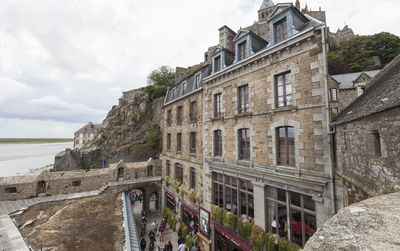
(11, 189)
(197, 81)
(280, 30)
(184, 86)
(173, 92)
(217, 63)
(242, 50)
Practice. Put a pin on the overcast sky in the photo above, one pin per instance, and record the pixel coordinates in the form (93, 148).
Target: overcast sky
(64, 63)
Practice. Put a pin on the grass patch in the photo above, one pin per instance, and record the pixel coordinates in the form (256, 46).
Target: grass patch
(33, 140)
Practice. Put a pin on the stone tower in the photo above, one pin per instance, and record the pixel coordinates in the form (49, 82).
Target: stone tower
(266, 7)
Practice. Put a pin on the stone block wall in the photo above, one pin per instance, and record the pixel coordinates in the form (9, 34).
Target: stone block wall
(368, 154)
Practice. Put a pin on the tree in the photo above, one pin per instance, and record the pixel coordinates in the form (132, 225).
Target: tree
(387, 46)
(337, 66)
(159, 80)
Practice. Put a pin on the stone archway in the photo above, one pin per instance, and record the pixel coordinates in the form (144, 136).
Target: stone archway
(41, 188)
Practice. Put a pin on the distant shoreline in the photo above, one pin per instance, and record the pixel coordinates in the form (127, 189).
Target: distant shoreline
(34, 140)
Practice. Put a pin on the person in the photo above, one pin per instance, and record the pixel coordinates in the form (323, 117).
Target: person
(143, 244)
(143, 228)
(195, 247)
(155, 226)
(169, 246)
(161, 229)
(144, 219)
(180, 239)
(151, 246)
(191, 227)
(152, 235)
(182, 247)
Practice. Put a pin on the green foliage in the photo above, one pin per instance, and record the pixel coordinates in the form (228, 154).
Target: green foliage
(220, 215)
(213, 212)
(181, 191)
(184, 228)
(192, 194)
(154, 139)
(284, 245)
(357, 53)
(189, 241)
(388, 191)
(248, 227)
(226, 218)
(159, 80)
(269, 242)
(257, 238)
(232, 221)
(241, 229)
(167, 212)
(134, 115)
(167, 180)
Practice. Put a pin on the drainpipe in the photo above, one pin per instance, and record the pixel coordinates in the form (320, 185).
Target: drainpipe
(328, 119)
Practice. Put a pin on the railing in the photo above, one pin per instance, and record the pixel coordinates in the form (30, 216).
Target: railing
(131, 238)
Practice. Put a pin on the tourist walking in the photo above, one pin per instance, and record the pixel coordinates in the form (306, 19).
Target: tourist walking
(152, 235)
(169, 246)
(143, 244)
(182, 247)
(162, 228)
(155, 226)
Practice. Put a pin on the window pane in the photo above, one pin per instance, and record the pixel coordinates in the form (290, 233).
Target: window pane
(243, 205)
(295, 199)
(271, 217)
(234, 181)
(280, 102)
(308, 202)
(272, 192)
(221, 196)
(288, 89)
(281, 195)
(288, 78)
(228, 205)
(282, 220)
(279, 80)
(280, 90)
(291, 146)
(289, 100)
(249, 186)
(251, 206)
(310, 225)
(243, 184)
(234, 201)
(296, 227)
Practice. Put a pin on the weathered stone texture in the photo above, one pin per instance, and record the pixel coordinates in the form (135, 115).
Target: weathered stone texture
(372, 224)
(357, 159)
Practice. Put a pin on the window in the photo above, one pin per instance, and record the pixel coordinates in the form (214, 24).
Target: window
(178, 142)
(244, 144)
(184, 86)
(169, 114)
(193, 111)
(11, 190)
(242, 50)
(333, 94)
(301, 217)
(168, 141)
(218, 143)
(197, 81)
(335, 111)
(376, 143)
(76, 183)
(192, 177)
(280, 29)
(217, 105)
(173, 93)
(192, 142)
(233, 194)
(243, 97)
(179, 115)
(168, 168)
(360, 91)
(179, 172)
(285, 145)
(217, 63)
(283, 90)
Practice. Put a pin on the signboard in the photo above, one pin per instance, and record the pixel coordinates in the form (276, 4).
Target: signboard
(204, 222)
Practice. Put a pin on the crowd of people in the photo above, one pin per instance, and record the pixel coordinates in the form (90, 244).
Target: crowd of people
(135, 196)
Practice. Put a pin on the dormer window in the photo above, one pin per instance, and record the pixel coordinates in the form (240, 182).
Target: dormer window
(242, 50)
(173, 93)
(184, 87)
(217, 63)
(280, 29)
(197, 81)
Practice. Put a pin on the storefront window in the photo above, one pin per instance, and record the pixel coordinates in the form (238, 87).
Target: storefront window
(233, 194)
(301, 218)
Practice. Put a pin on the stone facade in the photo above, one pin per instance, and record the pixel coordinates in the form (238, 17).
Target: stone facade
(52, 183)
(85, 134)
(358, 160)
(367, 138)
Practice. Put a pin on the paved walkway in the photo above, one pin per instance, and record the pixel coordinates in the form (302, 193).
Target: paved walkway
(10, 237)
(169, 235)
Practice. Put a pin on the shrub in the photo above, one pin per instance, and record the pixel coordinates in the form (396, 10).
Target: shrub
(233, 221)
(189, 241)
(257, 238)
(192, 195)
(269, 241)
(181, 191)
(220, 215)
(184, 228)
(226, 218)
(213, 212)
(240, 229)
(167, 180)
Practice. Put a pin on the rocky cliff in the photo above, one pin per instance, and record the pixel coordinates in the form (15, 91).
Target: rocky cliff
(131, 130)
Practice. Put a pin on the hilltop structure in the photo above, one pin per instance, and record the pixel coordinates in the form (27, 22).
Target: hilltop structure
(85, 134)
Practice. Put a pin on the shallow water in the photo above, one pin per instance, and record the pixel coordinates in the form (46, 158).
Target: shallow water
(21, 158)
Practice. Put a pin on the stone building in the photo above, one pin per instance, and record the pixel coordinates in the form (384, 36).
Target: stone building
(182, 154)
(266, 129)
(345, 88)
(368, 136)
(85, 134)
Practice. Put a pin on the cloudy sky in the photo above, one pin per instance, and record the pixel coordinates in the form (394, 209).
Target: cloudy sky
(64, 63)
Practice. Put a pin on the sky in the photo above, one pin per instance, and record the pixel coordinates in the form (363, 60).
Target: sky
(64, 63)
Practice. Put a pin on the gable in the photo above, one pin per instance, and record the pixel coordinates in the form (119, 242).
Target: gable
(240, 34)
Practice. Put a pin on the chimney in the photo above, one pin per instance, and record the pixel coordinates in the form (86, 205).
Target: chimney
(226, 36)
(180, 74)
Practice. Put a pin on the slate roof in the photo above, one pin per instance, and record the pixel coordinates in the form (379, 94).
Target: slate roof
(346, 80)
(381, 94)
(190, 85)
(90, 127)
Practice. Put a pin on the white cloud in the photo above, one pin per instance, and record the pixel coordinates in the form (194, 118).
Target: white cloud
(70, 59)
